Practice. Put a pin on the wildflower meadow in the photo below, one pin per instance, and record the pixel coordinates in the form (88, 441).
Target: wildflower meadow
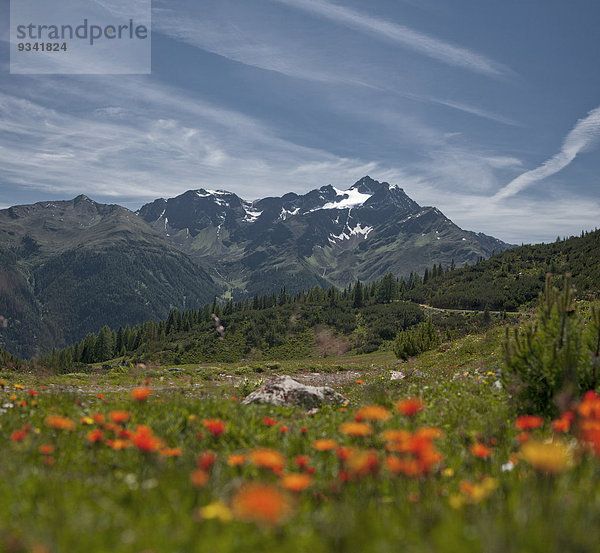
(154, 460)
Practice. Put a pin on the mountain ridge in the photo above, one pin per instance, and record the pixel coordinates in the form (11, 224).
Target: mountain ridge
(324, 237)
(69, 267)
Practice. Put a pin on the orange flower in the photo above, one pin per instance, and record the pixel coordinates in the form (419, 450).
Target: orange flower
(563, 424)
(235, 460)
(324, 444)
(171, 452)
(409, 467)
(98, 418)
(344, 452)
(480, 450)
(296, 482)
(145, 440)
(589, 408)
(119, 416)
(429, 432)
(589, 431)
(141, 394)
(62, 423)
(267, 458)
(95, 436)
(199, 477)
(358, 381)
(283, 429)
(523, 437)
(396, 435)
(528, 422)
(261, 503)
(118, 444)
(410, 407)
(372, 413)
(111, 427)
(361, 463)
(356, 429)
(215, 426)
(33, 393)
(46, 449)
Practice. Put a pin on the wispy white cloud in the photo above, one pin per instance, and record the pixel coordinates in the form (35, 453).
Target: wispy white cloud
(401, 35)
(277, 49)
(581, 138)
(125, 153)
(474, 110)
(516, 220)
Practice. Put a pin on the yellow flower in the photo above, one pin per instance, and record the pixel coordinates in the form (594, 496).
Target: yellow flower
(216, 509)
(476, 492)
(456, 500)
(448, 472)
(19, 386)
(551, 457)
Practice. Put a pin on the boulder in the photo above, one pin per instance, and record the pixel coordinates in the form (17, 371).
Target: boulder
(284, 390)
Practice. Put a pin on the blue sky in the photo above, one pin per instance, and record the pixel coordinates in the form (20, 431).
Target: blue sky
(488, 110)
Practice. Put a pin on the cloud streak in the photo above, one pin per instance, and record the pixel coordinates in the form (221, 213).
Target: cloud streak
(581, 138)
(401, 35)
(62, 153)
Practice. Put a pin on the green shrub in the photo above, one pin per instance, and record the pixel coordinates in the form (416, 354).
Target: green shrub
(554, 359)
(416, 340)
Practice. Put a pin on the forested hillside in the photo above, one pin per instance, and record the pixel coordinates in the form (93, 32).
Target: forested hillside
(509, 279)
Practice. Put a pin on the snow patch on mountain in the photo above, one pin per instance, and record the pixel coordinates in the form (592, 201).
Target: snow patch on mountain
(351, 198)
(285, 213)
(348, 233)
(251, 215)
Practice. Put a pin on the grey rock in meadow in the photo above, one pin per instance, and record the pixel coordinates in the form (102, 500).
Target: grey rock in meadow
(284, 390)
(397, 375)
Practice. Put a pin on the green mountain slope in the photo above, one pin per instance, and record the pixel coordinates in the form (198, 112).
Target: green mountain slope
(68, 268)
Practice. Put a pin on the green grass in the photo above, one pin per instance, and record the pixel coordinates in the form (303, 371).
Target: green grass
(95, 499)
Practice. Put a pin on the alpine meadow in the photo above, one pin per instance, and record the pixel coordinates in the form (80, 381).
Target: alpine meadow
(299, 275)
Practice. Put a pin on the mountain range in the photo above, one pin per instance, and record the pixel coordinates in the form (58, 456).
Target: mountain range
(325, 237)
(67, 268)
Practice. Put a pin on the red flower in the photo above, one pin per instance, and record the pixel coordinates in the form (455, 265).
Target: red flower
(207, 460)
(410, 407)
(95, 436)
(269, 421)
(215, 426)
(302, 460)
(18, 435)
(528, 422)
(481, 451)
